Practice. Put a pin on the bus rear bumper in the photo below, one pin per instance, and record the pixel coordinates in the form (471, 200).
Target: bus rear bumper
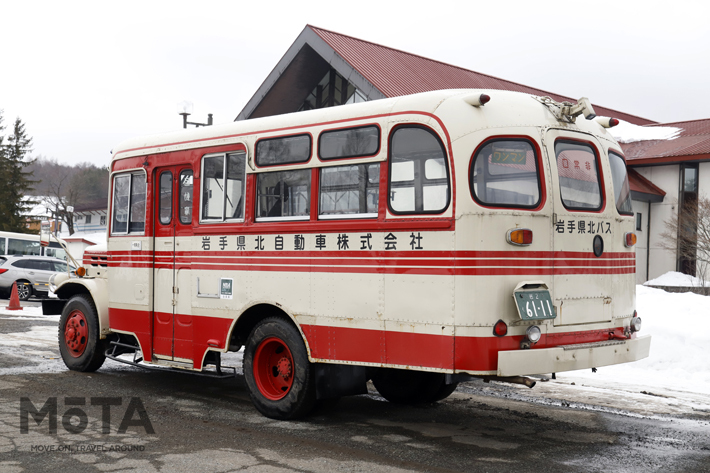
(572, 357)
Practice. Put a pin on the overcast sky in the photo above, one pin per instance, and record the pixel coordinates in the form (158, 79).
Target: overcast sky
(83, 76)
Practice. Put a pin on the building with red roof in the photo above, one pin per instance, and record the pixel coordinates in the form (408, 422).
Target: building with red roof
(323, 68)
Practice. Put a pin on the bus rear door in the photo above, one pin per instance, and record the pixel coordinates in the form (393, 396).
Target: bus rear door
(581, 227)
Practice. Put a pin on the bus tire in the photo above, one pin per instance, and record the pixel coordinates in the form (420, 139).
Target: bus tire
(280, 378)
(24, 290)
(79, 342)
(445, 390)
(409, 387)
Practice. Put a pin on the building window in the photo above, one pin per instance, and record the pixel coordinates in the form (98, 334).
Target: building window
(687, 219)
(102, 220)
(333, 89)
(88, 219)
(638, 221)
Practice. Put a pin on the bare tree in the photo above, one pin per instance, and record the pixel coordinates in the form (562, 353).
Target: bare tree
(688, 233)
(63, 191)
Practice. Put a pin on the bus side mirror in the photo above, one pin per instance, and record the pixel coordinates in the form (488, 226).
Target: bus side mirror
(44, 232)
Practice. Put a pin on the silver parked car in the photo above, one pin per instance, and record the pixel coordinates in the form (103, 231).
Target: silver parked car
(31, 274)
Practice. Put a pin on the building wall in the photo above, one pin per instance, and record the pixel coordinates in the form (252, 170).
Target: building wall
(661, 260)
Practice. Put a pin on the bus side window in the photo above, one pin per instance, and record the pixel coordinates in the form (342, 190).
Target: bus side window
(349, 190)
(185, 205)
(222, 198)
(419, 173)
(283, 194)
(128, 204)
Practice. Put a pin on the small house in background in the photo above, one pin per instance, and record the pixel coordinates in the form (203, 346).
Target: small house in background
(90, 218)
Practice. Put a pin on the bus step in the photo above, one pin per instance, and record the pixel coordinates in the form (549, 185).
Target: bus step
(115, 351)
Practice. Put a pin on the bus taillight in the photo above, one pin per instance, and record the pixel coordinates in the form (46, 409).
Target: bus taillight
(500, 329)
(520, 237)
(629, 239)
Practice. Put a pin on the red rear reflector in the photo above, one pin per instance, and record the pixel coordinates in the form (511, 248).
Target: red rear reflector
(3, 270)
(630, 239)
(500, 329)
(521, 236)
(613, 122)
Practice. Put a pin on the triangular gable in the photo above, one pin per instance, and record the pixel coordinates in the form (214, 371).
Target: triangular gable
(376, 71)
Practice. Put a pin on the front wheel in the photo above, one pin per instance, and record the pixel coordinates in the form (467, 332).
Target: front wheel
(279, 376)
(79, 342)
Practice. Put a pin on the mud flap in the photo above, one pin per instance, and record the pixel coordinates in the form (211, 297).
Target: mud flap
(333, 381)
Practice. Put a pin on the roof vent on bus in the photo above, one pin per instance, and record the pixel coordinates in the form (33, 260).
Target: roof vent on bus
(477, 100)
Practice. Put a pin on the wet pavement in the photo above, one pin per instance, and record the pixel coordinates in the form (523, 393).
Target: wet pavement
(203, 424)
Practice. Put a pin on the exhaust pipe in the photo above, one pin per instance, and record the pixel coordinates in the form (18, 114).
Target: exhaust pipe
(510, 379)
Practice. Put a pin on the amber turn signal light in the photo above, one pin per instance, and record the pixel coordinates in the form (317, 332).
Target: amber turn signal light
(520, 237)
(81, 271)
(629, 239)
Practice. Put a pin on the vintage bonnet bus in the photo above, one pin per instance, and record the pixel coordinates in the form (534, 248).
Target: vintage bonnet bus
(416, 242)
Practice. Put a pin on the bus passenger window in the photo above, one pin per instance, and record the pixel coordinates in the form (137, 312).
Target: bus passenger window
(622, 191)
(350, 143)
(222, 199)
(22, 247)
(579, 176)
(128, 204)
(349, 190)
(283, 150)
(505, 173)
(283, 195)
(185, 205)
(419, 174)
(166, 197)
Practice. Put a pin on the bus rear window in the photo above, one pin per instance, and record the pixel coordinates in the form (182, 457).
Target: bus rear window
(505, 173)
(577, 167)
(620, 178)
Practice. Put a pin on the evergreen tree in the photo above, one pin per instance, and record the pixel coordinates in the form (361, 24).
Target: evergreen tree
(15, 181)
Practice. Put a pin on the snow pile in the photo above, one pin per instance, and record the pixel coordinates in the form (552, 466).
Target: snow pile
(626, 132)
(675, 279)
(680, 326)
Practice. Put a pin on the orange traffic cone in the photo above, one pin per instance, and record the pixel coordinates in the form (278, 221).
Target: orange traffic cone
(14, 299)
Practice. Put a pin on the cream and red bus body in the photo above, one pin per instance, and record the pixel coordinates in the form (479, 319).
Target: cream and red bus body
(401, 291)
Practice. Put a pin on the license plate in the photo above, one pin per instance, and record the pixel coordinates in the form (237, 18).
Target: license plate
(534, 304)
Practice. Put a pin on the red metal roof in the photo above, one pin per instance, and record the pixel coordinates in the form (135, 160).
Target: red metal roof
(395, 73)
(692, 144)
(638, 183)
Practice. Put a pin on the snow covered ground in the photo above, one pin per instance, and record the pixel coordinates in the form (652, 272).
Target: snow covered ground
(674, 278)
(674, 379)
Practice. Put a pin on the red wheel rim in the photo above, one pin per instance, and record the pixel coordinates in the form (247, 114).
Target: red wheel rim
(76, 333)
(273, 368)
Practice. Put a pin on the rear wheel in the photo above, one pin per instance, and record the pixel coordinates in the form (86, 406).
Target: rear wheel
(79, 342)
(24, 290)
(411, 387)
(279, 376)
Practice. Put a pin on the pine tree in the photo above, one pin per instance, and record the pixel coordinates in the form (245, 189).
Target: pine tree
(15, 182)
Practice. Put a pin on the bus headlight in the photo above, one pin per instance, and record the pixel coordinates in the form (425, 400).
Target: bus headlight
(533, 333)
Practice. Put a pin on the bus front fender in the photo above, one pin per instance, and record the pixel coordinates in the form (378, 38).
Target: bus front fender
(95, 289)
